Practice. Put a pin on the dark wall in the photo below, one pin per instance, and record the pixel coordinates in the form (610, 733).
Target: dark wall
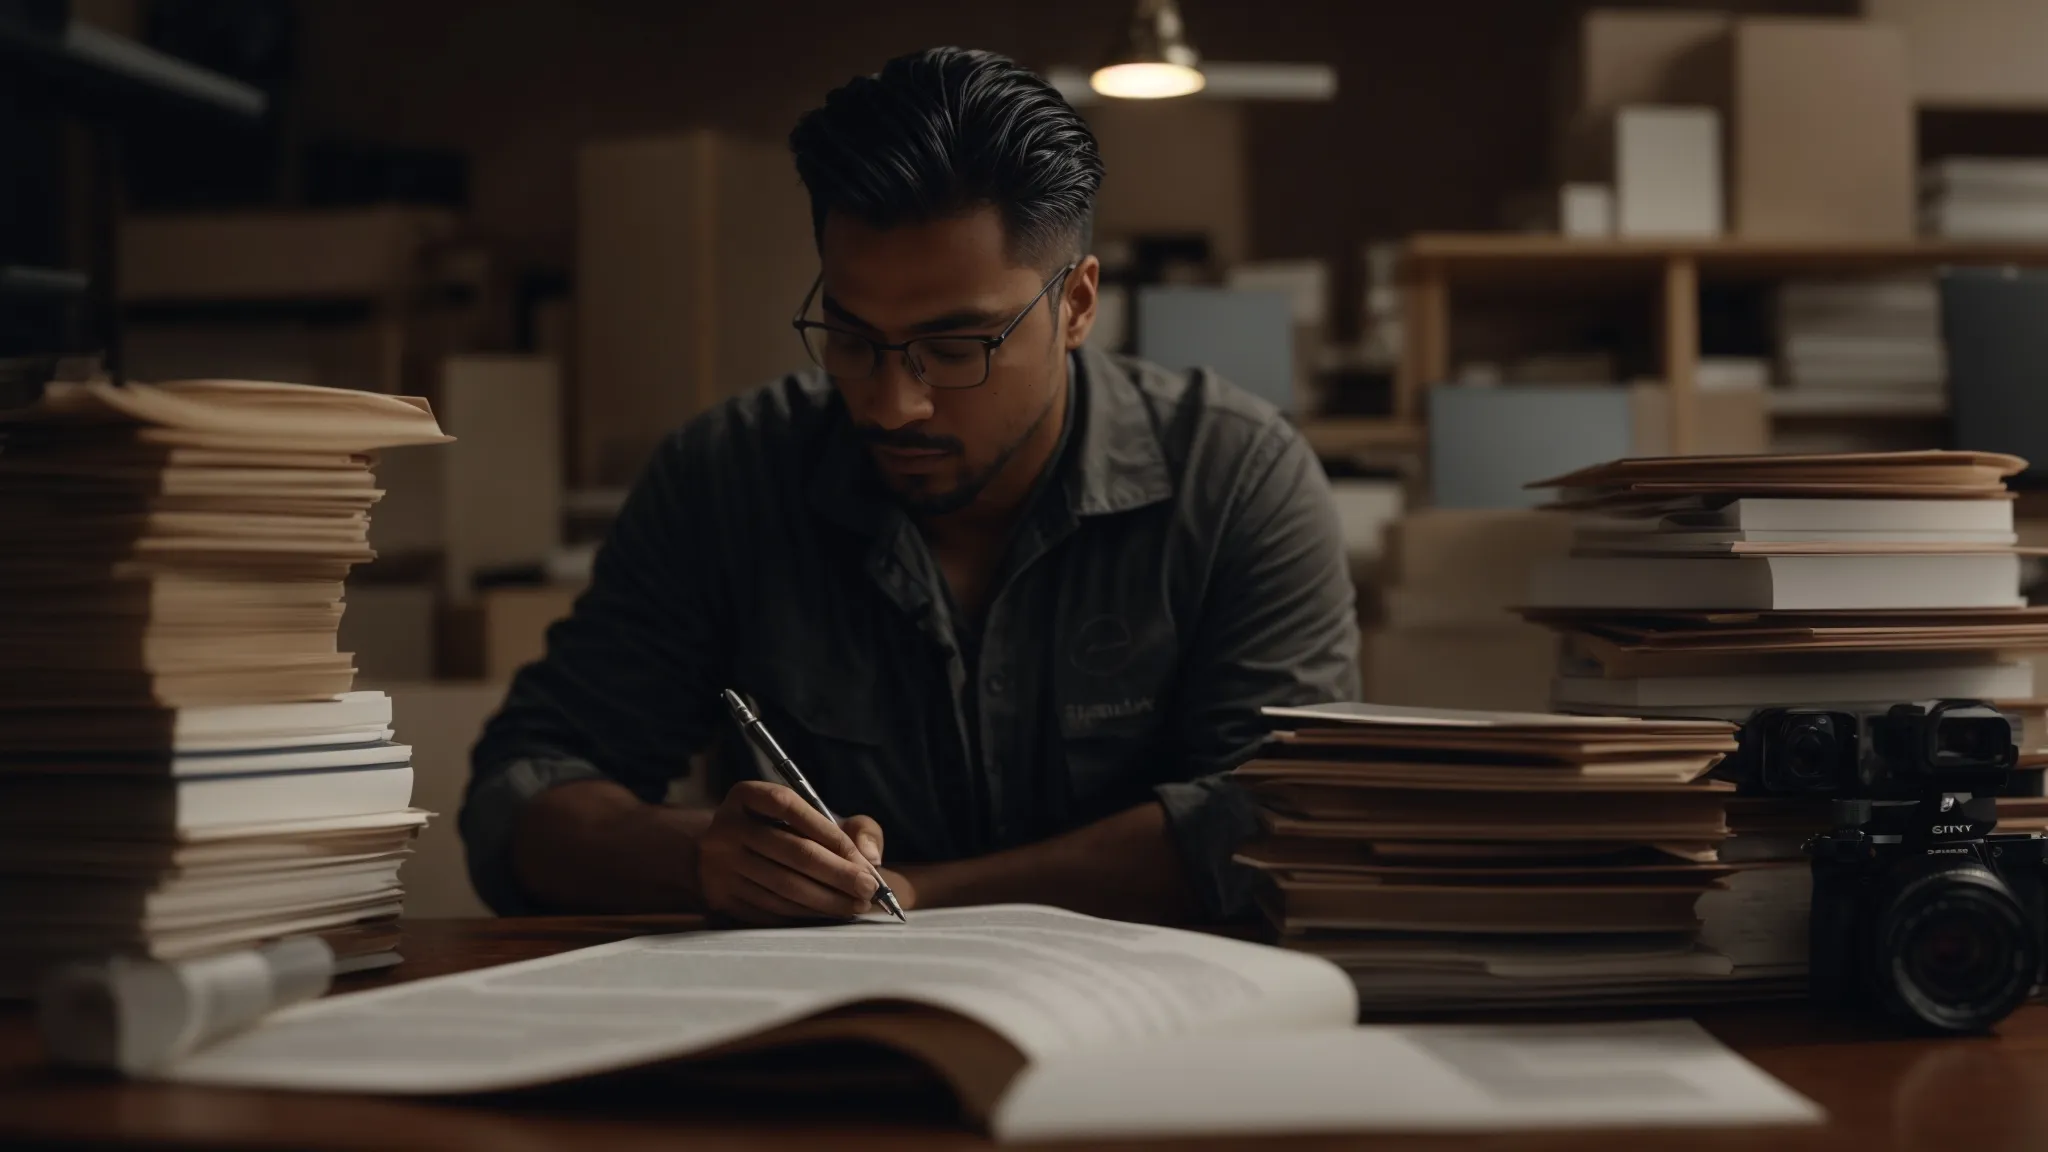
(1441, 110)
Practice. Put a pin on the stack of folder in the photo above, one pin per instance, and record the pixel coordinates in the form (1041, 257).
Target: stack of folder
(183, 767)
(1452, 859)
(1716, 586)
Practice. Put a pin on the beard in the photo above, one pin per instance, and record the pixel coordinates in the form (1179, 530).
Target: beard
(919, 494)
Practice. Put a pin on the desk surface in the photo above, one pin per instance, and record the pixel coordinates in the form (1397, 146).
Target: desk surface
(1979, 1095)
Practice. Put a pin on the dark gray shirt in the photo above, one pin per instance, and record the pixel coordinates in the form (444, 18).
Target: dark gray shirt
(1180, 568)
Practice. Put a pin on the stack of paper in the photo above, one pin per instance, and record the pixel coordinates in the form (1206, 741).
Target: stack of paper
(1985, 198)
(1449, 859)
(1717, 586)
(1861, 345)
(183, 768)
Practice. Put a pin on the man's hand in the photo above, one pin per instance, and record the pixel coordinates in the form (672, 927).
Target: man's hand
(770, 858)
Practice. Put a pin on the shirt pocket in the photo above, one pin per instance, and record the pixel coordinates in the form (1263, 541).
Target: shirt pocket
(831, 724)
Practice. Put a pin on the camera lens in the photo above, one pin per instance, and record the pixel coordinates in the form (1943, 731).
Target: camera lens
(1809, 750)
(1953, 949)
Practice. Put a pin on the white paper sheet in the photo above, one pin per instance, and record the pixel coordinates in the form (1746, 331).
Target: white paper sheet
(1401, 1079)
(1051, 981)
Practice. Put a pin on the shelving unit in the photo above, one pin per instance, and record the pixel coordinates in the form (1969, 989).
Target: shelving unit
(1435, 265)
(110, 83)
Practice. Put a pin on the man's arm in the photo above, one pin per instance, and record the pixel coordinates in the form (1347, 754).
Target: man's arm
(563, 811)
(623, 696)
(1279, 626)
(1123, 867)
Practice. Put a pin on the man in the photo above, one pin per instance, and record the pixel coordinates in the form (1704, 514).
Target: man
(1015, 602)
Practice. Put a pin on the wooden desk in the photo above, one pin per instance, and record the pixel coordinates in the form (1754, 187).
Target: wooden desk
(1987, 1095)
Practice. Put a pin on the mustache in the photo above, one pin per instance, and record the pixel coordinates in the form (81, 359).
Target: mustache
(906, 438)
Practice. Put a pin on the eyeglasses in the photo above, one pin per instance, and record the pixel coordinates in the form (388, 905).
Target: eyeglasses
(936, 361)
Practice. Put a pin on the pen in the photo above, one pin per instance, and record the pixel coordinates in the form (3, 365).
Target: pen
(758, 733)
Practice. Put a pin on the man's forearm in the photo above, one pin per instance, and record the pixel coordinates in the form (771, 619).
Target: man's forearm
(593, 846)
(1124, 867)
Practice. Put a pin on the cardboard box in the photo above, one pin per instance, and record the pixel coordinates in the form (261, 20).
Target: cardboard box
(1364, 509)
(692, 254)
(492, 499)
(1174, 167)
(1619, 57)
(502, 476)
(501, 630)
(1506, 667)
(442, 723)
(1477, 558)
(1726, 421)
(355, 253)
(1615, 58)
(411, 519)
(390, 629)
(516, 623)
(1821, 137)
(1971, 53)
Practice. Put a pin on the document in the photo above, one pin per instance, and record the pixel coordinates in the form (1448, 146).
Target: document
(1403, 1079)
(1047, 1024)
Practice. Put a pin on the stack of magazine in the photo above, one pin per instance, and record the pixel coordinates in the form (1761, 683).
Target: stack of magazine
(184, 768)
(1452, 859)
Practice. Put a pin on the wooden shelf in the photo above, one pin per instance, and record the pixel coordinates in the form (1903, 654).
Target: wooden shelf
(1436, 266)
(1470, 255)
(1824, 404)
(1352, 435)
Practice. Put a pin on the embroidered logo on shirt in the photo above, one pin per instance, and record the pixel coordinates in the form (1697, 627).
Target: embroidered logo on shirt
(1087, 715)
(1103, 646)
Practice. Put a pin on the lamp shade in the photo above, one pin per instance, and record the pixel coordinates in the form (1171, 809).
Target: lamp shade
(1154, 59)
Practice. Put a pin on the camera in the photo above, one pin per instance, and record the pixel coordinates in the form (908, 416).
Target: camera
(1921, 912)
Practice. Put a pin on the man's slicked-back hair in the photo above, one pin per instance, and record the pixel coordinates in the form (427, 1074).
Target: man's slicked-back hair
(947, 130)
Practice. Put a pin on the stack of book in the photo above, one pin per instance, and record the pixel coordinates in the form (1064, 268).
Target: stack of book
(1717, 586)
(1985, 198)
(1860, 346)
(183, 767)
(1457, 859)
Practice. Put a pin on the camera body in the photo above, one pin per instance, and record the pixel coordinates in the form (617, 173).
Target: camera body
(1921, 912)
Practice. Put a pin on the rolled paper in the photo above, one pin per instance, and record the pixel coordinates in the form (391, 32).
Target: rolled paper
(127, 1014)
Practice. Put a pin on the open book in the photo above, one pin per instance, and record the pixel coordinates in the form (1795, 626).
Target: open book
(1045, 1024)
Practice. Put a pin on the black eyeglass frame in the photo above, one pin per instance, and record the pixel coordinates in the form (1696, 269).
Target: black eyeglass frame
(877, 349)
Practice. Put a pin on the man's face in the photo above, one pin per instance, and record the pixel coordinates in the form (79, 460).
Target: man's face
(936, 448)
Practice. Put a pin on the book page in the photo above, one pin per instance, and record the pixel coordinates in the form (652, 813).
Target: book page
(1469, 1078)
(1047, 981)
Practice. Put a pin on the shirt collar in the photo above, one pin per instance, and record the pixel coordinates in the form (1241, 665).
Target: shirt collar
(1120, 464)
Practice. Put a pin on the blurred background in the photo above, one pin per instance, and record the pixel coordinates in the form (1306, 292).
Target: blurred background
(1464, 245)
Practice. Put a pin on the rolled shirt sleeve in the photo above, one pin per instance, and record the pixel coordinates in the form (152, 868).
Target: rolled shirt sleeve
(1279, 627)
(627, 688)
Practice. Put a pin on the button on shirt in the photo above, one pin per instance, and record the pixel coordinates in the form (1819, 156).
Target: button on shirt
(1180, 567)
